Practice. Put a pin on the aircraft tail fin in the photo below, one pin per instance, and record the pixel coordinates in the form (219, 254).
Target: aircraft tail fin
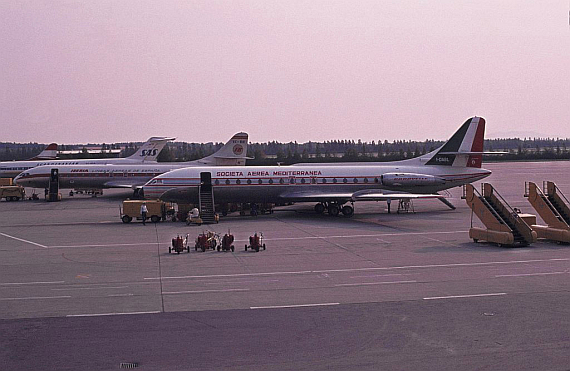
(464, 148)
(233, 153)
(149, 151)
(49, 153)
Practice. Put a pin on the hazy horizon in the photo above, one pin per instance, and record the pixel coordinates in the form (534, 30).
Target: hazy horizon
(122, 71)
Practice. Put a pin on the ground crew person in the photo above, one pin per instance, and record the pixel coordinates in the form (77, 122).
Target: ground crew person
(388, 201)
(144, 210)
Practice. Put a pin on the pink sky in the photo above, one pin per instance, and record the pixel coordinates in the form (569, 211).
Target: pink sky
(109, 71)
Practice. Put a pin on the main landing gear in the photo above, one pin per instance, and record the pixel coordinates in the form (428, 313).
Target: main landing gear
(334, 209)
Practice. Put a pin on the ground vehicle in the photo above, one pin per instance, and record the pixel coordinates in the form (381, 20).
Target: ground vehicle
(157, 210)
(12, 193)
(256, 242)
(194, 217)
(227, 242)
(206, 240)
(179, 244)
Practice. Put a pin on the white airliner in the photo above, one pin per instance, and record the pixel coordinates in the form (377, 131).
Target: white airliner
(146, 153)
(129, 175)
(335, 188)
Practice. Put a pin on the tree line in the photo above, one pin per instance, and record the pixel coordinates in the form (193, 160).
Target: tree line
(329, 151)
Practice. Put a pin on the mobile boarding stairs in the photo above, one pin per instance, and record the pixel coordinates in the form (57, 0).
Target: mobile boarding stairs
(553, 207)
(504, 225)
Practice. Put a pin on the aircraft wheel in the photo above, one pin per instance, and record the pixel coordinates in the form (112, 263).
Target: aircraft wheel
(333, 210)
(348, 211)
(319, 208)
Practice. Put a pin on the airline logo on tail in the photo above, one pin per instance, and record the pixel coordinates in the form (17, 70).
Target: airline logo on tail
(150, 149)
(464, 148)
(149, 152)
(238, 149)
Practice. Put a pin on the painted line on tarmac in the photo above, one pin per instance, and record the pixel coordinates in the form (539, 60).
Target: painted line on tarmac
(465, 296)
(382, 275)
(359, 235)
(372, 283)
(116, 295)
(529, 274)
(92, 288)
(30, 283)
(22, 240)
(111, 314)
(295, 306)
(100, 245)
(201, 291)
(267, 239)
(452, 265)
(61, 224)
(38, 298)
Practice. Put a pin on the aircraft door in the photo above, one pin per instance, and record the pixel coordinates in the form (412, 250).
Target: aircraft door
(206, 181)
(53, 188)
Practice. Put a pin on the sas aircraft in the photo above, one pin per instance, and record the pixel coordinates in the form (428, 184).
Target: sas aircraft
(334, 188)
(129, 175)
(145, 154)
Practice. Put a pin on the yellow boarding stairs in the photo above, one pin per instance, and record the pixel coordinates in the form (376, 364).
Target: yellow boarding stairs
(504, 225)
(553, 208)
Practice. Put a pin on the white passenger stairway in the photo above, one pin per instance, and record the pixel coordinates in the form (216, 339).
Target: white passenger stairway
(206, 204)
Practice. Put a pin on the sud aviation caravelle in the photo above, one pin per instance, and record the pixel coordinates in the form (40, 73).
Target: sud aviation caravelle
(147, 153)
(128, 175)
(334, 188)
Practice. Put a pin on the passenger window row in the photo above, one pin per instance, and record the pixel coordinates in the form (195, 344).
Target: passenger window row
(295, 181)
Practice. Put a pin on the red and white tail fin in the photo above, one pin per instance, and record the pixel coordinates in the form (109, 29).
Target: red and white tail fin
(464, 148)
(49, 153)
(233, 153)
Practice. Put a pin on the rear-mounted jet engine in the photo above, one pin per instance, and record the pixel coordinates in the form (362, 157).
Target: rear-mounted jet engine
(410, 179)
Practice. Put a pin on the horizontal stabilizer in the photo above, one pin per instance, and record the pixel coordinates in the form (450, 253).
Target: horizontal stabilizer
(475, 153)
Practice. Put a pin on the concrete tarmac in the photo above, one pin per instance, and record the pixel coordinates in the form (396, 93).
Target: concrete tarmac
(81, 290)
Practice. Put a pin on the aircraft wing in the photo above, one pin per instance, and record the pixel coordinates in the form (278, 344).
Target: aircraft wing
(316, 196)
(378, 195)
(364, 195)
